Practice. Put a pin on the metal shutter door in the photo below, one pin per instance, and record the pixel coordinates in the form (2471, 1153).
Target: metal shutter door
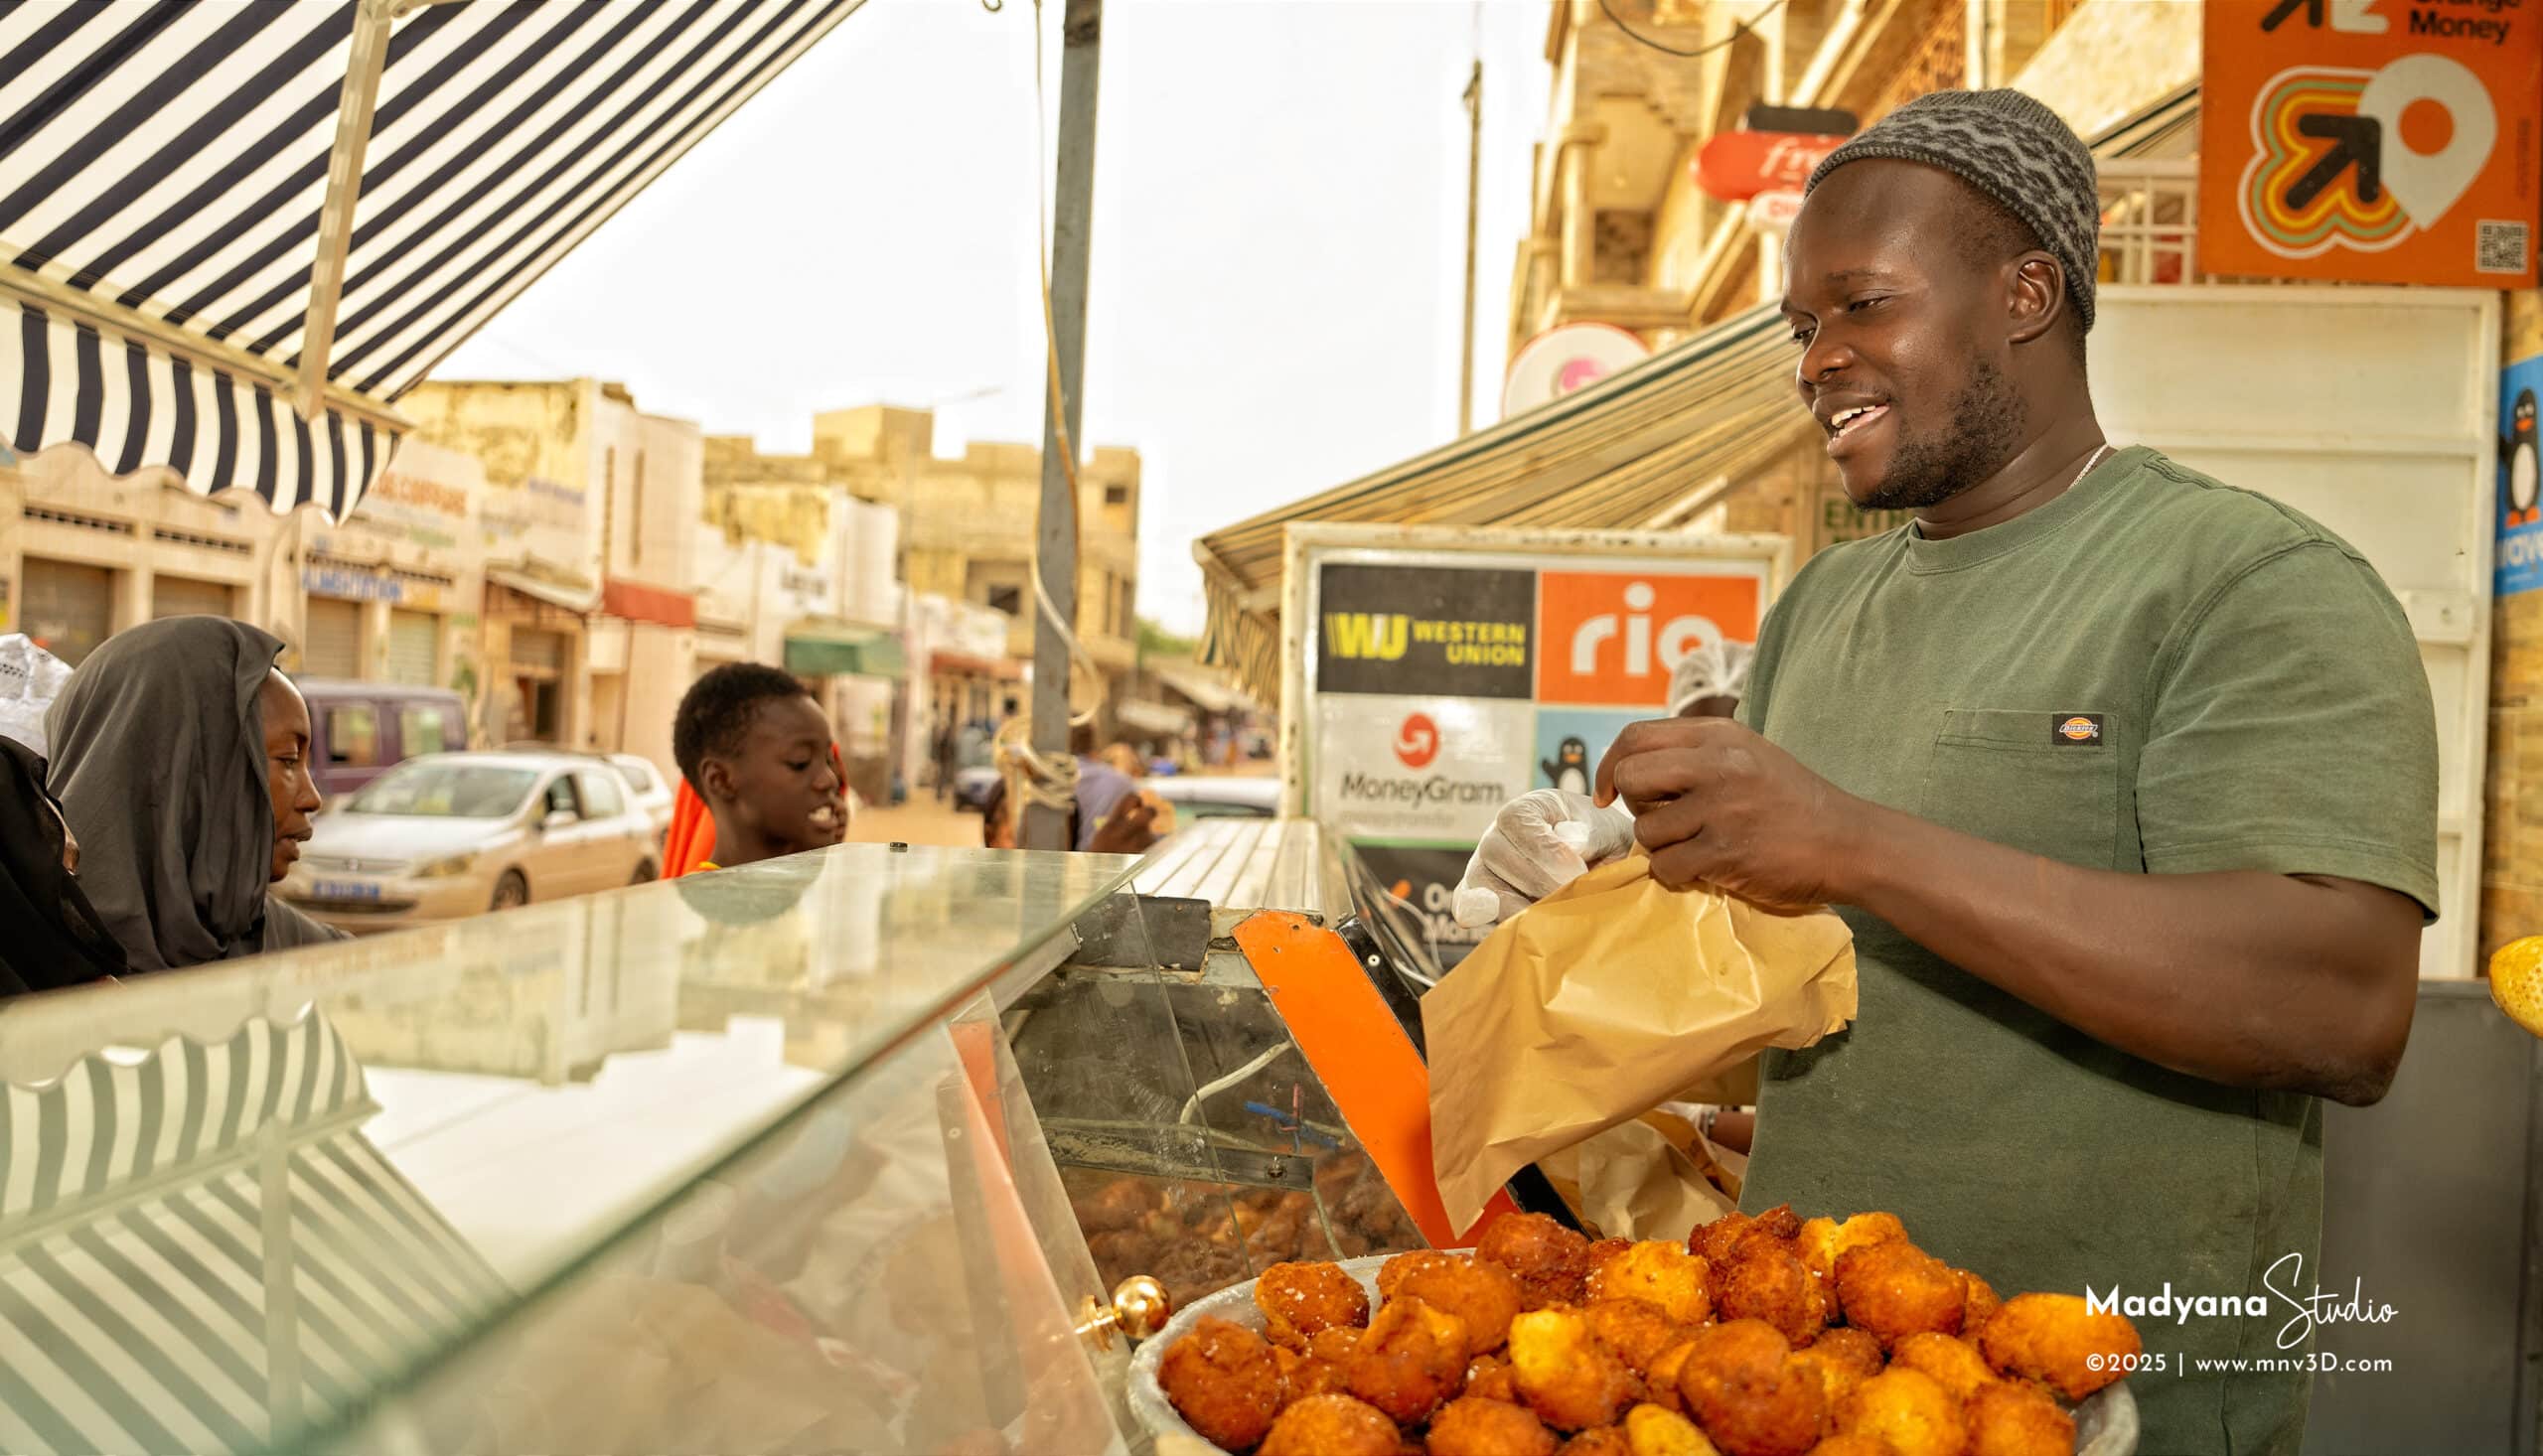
(413, 643)
(334, 648)
(178, 596)
(69, 609)
(539, 651)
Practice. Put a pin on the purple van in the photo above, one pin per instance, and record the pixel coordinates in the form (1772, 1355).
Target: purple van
(361, 730)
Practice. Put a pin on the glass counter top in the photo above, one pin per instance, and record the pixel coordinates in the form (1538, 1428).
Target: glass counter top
(456, 1115)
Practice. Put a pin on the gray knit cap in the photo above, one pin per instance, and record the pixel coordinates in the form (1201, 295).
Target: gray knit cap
(2011, 148)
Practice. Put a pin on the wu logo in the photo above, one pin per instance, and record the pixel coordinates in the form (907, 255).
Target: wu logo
(1366, 636)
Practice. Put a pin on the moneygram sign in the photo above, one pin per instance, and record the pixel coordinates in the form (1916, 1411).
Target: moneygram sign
(2373, 141)
(1433, 770)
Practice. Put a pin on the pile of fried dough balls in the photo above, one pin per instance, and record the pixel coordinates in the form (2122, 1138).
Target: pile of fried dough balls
(1756, 1337)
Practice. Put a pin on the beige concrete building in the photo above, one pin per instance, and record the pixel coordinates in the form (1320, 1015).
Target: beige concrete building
(387, 597)
(84, 555)
(587, 526)
(1621, 234)
(795, 571)
(968, 523)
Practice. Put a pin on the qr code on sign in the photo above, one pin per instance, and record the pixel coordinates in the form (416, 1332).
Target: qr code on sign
(2499, 247)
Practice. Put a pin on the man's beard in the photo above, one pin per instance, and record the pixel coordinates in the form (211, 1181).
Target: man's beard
(1984, 431)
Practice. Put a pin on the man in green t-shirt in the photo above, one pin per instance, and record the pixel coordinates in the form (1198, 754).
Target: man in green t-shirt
(2125, 779)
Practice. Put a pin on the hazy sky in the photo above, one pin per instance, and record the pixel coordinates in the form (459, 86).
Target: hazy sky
(1277, 251)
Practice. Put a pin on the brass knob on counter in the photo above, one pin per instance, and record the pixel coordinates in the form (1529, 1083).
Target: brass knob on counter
(1139, 1309)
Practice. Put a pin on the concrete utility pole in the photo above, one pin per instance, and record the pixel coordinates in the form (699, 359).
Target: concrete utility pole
(1055, 545)
(1474, 198)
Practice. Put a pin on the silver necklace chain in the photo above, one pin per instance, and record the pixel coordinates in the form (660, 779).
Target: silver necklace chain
(2096, 459)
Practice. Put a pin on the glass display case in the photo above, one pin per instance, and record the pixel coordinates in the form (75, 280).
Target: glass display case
(852, 1151)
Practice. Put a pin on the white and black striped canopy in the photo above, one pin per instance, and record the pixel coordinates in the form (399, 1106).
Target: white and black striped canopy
(164, 165)
(200, 1252)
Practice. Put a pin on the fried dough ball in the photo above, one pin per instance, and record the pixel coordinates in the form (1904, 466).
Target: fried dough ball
(1854, 1443)
(1838, 1375)
(1119, 1206)
(1954, 1364)
(1302, 1376)
(1477, 1427)
(1822, 1241)
(1653, 1431)
(1743, 1385)
(1637, 1332)
(1605, 1440)
(1601, 1250)
(1656, 1271)
(1410, 1361)
(1764, 1281)
(1721, 1238)
(1663, 1375)
(1565, 1374)
(1332, 1425)
(1298, 1300)
(1895, 1289)
(1336, 1344)
(1223, 1380)
(1481, 1294)
(1911, 1410)
(1856, 1347)
(1983, 1304)
(1549, 1260)
(1490, 1377)
(2051, 1338)
(1392, 1273)
(2006, 1419)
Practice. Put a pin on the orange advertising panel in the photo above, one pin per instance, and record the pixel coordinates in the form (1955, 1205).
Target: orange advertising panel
(1611, 637)
(2376, 141)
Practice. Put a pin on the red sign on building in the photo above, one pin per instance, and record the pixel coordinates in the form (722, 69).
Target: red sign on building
(1738, 165)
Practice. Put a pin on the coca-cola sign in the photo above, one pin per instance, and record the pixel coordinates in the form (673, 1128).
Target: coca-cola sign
(1738, 165)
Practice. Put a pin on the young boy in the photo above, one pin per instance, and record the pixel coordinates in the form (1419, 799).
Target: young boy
(757, 751)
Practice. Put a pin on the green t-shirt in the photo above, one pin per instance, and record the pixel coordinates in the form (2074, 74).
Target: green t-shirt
(2153, 673)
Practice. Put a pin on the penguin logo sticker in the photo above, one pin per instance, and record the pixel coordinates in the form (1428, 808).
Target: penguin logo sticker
(2517, 458)
(1568, 769)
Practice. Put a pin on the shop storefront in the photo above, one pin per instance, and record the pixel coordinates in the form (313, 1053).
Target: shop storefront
(67, 607)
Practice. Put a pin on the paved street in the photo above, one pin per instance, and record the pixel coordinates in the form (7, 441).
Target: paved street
(919, 821)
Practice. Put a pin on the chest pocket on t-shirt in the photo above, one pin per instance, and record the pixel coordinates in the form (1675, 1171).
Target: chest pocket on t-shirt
(2037, 780)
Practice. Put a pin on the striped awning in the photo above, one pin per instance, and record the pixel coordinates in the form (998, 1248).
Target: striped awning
(189, 287)
(2168, 127)
(1636, 451)
(200, 1252)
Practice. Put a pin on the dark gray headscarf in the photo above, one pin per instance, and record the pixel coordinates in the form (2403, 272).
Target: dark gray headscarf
(159, 760)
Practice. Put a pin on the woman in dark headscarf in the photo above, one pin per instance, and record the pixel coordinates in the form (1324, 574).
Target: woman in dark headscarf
(50, 934)
(181, 756)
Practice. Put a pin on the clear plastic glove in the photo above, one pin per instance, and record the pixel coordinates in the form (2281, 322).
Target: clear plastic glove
(1540, 843)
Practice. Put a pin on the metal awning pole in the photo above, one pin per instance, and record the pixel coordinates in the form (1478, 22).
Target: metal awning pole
(344, 187)
(1055, 544)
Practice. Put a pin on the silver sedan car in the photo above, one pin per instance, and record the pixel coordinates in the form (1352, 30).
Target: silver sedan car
(455, 835)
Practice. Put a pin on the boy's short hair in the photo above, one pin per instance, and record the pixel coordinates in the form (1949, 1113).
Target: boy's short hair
(715, 713)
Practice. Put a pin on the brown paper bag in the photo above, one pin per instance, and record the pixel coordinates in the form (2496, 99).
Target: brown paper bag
(1604, 1000)
(1635, 1181)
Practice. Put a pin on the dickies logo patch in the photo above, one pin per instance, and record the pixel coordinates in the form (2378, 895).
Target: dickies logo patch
(2075, 728)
